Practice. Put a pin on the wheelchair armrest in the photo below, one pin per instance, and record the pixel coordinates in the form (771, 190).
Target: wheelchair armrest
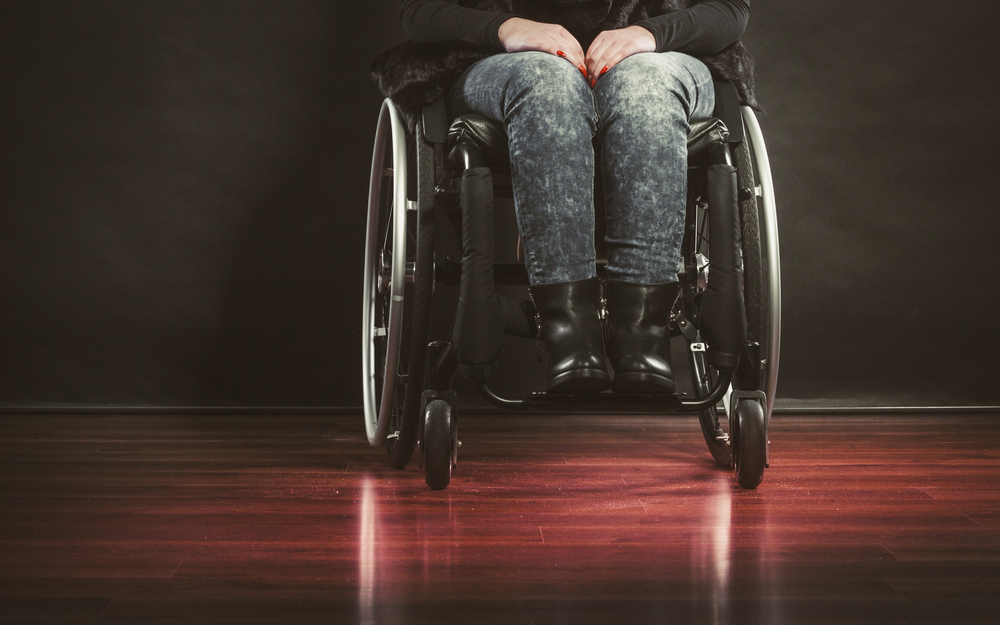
(705, 132)
(484, 132)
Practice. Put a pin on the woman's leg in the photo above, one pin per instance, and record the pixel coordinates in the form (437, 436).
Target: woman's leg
(547, 110)
(645, 104)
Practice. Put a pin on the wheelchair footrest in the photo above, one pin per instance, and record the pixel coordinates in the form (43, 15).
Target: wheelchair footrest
(608, 402)
(604, 402)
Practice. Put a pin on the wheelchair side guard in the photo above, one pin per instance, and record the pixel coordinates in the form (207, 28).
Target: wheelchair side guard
(435, 118)
(479, 321)
(723, 317)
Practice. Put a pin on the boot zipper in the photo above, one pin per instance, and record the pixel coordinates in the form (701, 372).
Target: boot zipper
(603, 314)
(675, 307)
(538, 326)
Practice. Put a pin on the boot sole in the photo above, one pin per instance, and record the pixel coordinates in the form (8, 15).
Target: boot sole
(580, 381)
(642, 383)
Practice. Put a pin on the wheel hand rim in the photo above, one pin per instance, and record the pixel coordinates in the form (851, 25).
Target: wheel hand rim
(379, 407)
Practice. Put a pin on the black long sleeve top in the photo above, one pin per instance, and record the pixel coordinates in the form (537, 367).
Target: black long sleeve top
(706, 28)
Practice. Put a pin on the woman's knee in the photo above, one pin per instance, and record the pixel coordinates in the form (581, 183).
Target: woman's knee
(545, 84)
(657, 85)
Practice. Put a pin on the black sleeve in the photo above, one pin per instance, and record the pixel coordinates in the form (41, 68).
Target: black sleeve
(706, 28)
(441, 20)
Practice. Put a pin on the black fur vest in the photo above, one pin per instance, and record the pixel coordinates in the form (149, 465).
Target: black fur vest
(417, 74)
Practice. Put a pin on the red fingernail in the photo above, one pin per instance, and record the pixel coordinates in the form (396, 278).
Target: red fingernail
(593, 81)
(583, 69)
(604, 71)
(560, 54)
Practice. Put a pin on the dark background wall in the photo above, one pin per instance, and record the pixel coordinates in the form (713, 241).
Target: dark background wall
(183, 188)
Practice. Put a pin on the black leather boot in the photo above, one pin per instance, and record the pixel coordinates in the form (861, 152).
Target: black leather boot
(569, 321)
(639, 348)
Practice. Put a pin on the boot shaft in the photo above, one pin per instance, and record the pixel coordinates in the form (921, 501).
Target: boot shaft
(569, 318)
(639, 320)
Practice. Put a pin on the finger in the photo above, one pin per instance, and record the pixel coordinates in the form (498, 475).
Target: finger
(580, 66)
(595, 54)
(612, 57)
(573, 52)
(602, 62)
(606, 55)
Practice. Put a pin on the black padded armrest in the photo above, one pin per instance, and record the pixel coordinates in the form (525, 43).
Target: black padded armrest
(705, 132)
(484, 132)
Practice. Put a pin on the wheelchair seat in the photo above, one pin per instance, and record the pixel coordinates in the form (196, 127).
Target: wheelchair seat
(491, 139)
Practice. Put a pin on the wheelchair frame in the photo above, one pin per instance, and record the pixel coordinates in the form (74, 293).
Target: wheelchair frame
(399, 252)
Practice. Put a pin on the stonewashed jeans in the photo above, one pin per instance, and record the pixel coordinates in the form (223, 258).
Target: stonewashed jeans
(639, 112)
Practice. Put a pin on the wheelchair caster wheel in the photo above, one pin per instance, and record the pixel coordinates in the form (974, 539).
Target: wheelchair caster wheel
(439, 444)
(749, 443)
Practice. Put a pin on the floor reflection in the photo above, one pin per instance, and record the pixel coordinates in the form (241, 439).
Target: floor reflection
(406, 550)
(368, 550)
(711, 553)
(700, 542)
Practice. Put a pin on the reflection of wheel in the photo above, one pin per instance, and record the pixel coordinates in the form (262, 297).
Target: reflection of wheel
(394, 336)
(438, 444)
(749, 443)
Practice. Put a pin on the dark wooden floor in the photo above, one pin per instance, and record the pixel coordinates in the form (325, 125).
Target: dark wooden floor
(548, 520)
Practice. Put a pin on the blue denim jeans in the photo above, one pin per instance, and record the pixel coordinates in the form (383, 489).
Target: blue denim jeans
(639, 112)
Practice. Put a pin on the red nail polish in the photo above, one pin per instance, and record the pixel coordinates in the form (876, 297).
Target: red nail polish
(604, 71)
(583, 70)
(560, 54)
(593, 82)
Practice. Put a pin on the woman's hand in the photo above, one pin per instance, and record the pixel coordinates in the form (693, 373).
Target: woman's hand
(611, 47)
(520, 35)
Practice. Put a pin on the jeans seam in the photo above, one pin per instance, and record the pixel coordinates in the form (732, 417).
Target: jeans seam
(597, 116)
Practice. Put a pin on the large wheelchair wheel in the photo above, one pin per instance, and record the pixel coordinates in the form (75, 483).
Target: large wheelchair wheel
(762, 294)
(397, 289)
(761, 268)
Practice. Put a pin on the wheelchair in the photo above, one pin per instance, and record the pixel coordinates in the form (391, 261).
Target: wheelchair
(729, 310)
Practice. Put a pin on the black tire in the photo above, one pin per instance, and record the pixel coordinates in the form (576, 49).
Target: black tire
(406, 424)
(749, 442)
(753, 275)
(437, 444)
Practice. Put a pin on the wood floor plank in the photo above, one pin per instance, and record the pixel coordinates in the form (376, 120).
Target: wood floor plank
(880, 519)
